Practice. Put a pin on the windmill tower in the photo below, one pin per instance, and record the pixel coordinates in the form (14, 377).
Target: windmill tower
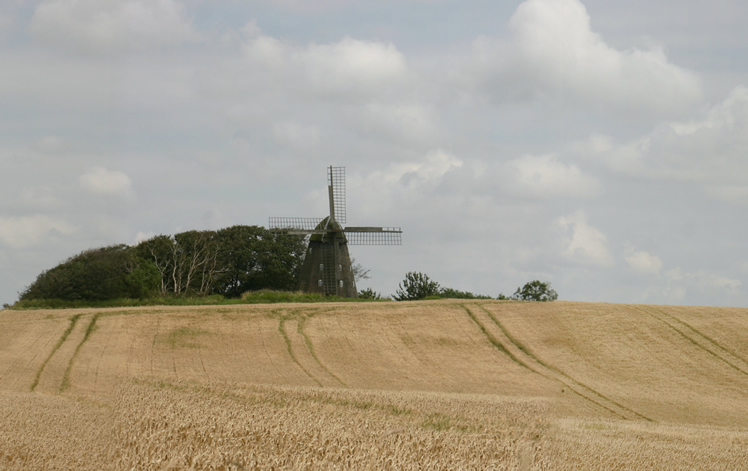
(327, 265)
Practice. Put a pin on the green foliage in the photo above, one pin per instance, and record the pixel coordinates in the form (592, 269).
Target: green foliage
(270, 296)
(415, 286)
(536, 291)
(121, 302)
(228, 262)
(252, 258)
(251, 297)
(95, 275)
(457, 294)
(369, 293)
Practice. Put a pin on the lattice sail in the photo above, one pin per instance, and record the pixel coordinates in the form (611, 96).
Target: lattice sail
(336, 180)
(304, 224)
(384, 236)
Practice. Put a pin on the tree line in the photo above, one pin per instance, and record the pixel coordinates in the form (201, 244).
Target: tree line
(225, 262)
(417, 285)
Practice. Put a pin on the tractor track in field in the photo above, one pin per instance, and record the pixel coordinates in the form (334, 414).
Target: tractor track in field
(310, 346)
(71, 325)
(19, 358)
(289, 348)
(65, 383)
(698, 339)
(518, 353)
(153, 342)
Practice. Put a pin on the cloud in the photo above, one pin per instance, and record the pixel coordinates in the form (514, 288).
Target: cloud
(410, 185)
(545, 176)
(710, 151)
(29, 231)
(296, 135)
(587, 245)
(427, 172)
(349, 66)
(642, 262)
(100, 181)
(104, 26)
(363, 64)
(679, 283)
(555, 53)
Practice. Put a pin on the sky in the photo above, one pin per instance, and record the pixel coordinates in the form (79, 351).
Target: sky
(600, 145)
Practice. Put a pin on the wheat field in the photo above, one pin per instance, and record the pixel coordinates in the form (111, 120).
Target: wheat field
(445, 384)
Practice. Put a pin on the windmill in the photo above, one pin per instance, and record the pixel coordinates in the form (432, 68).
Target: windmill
(327, 264)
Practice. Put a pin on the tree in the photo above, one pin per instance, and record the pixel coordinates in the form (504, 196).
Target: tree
(228, 262)
(415, 286)
(95, 275)
(254, 258)
(536, 291)
(359, 272)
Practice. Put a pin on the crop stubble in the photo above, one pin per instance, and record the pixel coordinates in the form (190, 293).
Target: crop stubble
(402, 385)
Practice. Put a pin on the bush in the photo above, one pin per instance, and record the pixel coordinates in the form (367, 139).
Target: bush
(457, 294)
(415, 286)
(369, 293)
(535, 291)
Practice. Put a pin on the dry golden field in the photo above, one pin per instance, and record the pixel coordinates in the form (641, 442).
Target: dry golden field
(414, 385)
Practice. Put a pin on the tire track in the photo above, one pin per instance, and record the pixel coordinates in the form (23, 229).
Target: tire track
(72, 321)
(65, 383)
(287, 339)
(153, 343)
(101, 356)
(308, 341)
(20, 358)
(699, 340)
(521, 355)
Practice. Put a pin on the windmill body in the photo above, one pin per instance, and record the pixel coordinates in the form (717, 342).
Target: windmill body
(327, 263)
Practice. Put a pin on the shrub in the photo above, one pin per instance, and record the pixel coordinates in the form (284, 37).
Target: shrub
(369, 293)
(415, 286)
(457, 294)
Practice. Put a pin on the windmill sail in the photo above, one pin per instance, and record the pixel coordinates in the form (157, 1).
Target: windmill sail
(327, 264)
(336, 183)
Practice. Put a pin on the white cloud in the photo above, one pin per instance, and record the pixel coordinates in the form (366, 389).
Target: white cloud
(545, 176)
(101, 181)
(29, 231)
(710, 151)
(349, 66)
(642, 262)
(111, 25)
(351, 62)
(428, 171)
(586, 245)
(554, 52)
(410, 184)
